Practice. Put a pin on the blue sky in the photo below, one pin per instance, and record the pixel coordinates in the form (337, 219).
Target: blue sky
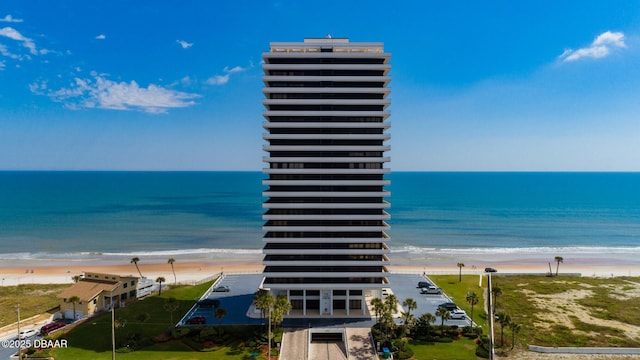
(168, 85)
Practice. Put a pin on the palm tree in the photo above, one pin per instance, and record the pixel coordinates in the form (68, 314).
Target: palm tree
(171, 305)
(160, 280)
(170, 262)
(495, 291)
(515, 328)
(558, 260)
(76, 278)
(391, 303)
(143, 318)
(378, 307)
(444, 314)
(74, 299)
(219, 314)
(424, 322)
(410, 304)
(504, 320)
(460, 266)
(264, 301)
(119, 324)
(281, 307)
(472, 299)
(134, 261)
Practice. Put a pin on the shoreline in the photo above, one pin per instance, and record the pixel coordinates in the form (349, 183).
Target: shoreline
(52, 271)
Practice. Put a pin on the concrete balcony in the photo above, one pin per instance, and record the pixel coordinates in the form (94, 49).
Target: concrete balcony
(380, 205)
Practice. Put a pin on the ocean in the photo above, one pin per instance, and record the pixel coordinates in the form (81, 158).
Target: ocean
(435, 216)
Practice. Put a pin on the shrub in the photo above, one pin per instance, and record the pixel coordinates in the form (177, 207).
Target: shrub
(406, 354)
(481, 352)
(207, 333)
(179, 332)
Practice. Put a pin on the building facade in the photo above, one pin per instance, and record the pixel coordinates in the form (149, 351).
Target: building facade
(97, 292)
(326, 121)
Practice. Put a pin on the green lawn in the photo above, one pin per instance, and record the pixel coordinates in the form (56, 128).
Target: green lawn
(458, 292)
(92, 340)
(461, 349)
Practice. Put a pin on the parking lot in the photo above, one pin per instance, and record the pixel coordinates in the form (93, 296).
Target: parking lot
(406, 286)
(236, 301)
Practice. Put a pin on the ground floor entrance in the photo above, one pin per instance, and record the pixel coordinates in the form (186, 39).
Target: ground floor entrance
(327, 302)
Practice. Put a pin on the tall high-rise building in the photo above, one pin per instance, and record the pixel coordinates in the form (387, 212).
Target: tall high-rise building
(324, 235)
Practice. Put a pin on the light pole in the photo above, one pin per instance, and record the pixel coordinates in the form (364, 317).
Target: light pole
(113, 328)
(19, 340)
(490, 310)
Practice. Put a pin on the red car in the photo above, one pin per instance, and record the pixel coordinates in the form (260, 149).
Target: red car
(51, 326)
(196, 320)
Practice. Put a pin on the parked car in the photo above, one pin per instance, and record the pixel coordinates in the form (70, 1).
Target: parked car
(51, 326)
(423, 284)
(27, 333)
(448, 305)
(196, 320)
(489, 269)
(430, 290)
(221, 288)
(458, 314)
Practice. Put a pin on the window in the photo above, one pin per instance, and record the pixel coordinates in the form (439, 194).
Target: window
(133, 282)
(95, 301)
(123, 296)
(132, 293)
(125, 285)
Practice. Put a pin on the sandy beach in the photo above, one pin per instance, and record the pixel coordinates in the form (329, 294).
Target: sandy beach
(189, 271)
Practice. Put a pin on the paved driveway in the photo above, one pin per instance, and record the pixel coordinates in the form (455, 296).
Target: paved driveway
(406, 286)
(242, 287)
(236, 302)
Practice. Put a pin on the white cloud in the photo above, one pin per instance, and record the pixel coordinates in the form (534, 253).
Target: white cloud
(2, 65)
(223, 79)
(599, 48)
(13, 34)
(100, 92)
(184, 44)
(101, 37)
(235, 69)
(218, 80)
(5, 52)
(10, 19)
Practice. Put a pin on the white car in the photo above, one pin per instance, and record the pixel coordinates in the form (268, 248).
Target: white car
(430, 290)
(458, 314)
(27, 333)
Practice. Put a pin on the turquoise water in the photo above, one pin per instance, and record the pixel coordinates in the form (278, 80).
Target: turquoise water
(71, 214)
